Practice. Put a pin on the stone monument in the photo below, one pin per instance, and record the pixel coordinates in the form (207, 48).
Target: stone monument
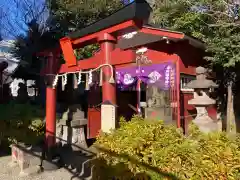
(202, 100)
(70, 129)
(158, 104)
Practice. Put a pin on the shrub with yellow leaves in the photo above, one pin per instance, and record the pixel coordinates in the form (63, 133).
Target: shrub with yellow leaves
(163, 152)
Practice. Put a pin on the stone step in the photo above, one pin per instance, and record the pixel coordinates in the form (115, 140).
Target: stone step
(79, 163)
(84, 171)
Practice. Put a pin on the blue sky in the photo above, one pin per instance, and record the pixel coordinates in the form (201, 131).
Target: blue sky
(12, 23)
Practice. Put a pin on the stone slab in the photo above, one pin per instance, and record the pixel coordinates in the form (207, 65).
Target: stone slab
(108, 117)
(77, 123)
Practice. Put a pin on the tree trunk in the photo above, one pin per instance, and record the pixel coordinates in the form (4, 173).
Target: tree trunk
(230, 111)
(233, 120)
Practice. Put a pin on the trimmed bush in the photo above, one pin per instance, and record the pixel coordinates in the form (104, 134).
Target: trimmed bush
(162, 152)
(21, 123)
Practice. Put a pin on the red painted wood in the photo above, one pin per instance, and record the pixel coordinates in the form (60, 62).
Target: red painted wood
(51, 103)
(96, 61)
(125, 27)
(212, 112)
(163, 33)
(68, 53)
(50, 116)
(188, 112)
(178, 93)
(94, 111)
(108, 89)
(187, 63)
(84, 64)
(94, 122)
(160, 57)
(155, 56)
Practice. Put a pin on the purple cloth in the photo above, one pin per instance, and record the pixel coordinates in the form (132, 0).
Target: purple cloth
(160, 75)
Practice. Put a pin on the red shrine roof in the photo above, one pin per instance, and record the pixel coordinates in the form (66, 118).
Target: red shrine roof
(137, 10)
(131, 19)
(149, 34)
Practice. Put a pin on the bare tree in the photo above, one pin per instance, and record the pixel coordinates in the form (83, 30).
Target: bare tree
(15, 19)
(2, 16)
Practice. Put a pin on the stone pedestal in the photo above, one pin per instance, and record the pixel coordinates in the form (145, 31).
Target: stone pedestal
(24, 158)
(204, 122)
(20, 158)
(78, 134)
(108, 117)
(63, 132)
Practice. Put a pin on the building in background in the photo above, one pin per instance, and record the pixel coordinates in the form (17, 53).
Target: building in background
(6, 47)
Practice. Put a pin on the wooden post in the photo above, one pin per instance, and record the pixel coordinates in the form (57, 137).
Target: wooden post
(50, 116)
(107, 43)
(108, 108)
(50, 105)
(178, 93)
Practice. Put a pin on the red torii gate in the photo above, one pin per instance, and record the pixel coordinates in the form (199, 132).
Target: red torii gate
(106, 33)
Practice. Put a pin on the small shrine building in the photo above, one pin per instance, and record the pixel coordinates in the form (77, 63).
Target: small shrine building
(139, 69)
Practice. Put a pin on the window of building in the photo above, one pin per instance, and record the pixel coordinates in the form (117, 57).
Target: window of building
(184, 80)
(5, 49)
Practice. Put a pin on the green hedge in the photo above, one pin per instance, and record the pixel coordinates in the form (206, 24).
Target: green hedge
(163, 152)
(21, 123)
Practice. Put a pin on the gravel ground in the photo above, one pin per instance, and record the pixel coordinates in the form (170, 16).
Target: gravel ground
(8, 173)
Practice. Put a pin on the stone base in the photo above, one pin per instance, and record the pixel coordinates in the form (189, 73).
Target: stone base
(219, 125)
(206, 124)
(24, 158)
(13, 164)
(78, 139)
(108, 117)
(20, 157)
(72, 134)
(159, 113)
(31, 171)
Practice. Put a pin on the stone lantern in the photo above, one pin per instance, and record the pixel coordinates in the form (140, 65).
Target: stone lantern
(202, 100)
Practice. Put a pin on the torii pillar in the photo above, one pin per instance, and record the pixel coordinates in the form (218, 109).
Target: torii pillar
(108, 108)
(107, 43)
(51, 102)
